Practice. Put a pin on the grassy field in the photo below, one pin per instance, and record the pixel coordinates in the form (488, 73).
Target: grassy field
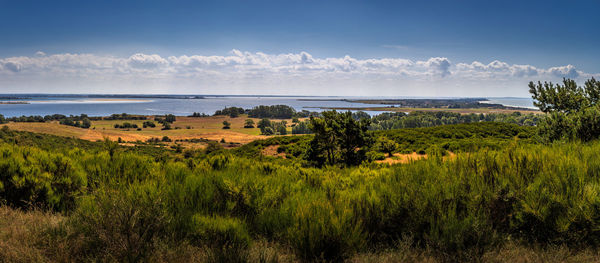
(210, 128)
(69, 200)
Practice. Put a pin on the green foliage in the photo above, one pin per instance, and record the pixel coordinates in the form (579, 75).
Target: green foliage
(198, 115)
(324, 231)
(302, 128)
(32, 177)
(170, 118)
(418, 119)
(375, 156)
(126, 202)
(227, 238)
(573, 111)
(120, 225)
(148, 124)
(274, 111)
(338, 139)
(127, 125)
(2, 119)
(226, 125)
(125, 116)
(386, 145)
(460, 137)
(213, 146)
(248, 123)
(230, 111)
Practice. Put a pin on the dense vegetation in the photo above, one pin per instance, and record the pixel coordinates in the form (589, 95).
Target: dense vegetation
(262, 111)
(123, 206)
(573, 111)
(399, 120)
(503, 185)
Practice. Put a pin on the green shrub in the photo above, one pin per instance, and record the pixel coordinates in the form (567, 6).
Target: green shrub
(374, 156)
(324, 233)
(226, 238)
(120, 225)
(31, 177)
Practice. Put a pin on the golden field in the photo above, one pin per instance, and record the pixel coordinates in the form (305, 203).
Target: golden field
(210, 128)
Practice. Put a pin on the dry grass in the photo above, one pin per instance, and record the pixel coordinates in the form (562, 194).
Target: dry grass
(210, 128)
(23, 235)
(399, 158)
(28, 237)
(271, 150)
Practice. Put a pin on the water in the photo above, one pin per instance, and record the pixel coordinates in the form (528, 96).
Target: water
(514, 102)
(159, 106)
(104, 106)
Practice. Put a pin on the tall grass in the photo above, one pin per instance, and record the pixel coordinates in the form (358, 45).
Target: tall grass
(460, 209)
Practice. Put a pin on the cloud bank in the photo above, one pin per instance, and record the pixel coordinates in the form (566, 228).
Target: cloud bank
(259, 73)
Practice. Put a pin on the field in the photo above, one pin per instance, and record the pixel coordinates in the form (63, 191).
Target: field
(210, 128)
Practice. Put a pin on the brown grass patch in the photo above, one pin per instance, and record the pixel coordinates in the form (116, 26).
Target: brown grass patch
(22, 235)
(271, 150)
(409, 157)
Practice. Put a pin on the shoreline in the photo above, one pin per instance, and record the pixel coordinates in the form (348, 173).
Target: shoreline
(456, 110)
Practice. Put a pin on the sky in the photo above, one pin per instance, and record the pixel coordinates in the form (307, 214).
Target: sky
(352, 48)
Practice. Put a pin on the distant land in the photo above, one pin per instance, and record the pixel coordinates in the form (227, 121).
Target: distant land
(460, 105)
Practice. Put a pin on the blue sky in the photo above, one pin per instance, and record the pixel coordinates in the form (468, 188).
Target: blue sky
(541, 34)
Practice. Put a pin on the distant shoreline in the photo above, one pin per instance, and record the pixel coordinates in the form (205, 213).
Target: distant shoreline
(14, 102)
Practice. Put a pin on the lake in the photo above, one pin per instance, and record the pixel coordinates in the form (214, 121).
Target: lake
(148, 105)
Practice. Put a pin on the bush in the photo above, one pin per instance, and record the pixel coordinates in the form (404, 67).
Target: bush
(374, 156)
(226, 125)
(33, 178)
(320, 233)
(249, 123)
(227, 238)
(120, 225)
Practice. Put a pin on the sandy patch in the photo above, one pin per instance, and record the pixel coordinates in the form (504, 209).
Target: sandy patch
(272, 151)
(406, 158)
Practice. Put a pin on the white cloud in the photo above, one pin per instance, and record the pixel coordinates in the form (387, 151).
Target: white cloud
(144, 61)
(567, 71)
(13, 66)
(40, 53)
(437, 65)
(291, 73)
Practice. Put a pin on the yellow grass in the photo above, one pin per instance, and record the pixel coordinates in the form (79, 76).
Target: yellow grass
(406, 158)
(210, 128)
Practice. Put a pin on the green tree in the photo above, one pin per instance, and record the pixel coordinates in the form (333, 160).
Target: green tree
(573, 111)
(386, 145)
(226, 125)
(338, 139)
(86, 123)
(263, 125)
(170, 118)
(249, 123)
(282, 130)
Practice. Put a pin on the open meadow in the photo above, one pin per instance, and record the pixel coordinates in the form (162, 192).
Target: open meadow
(184, 128)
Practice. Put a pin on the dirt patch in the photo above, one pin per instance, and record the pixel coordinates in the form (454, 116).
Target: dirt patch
(409, 157)
(272, 151)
